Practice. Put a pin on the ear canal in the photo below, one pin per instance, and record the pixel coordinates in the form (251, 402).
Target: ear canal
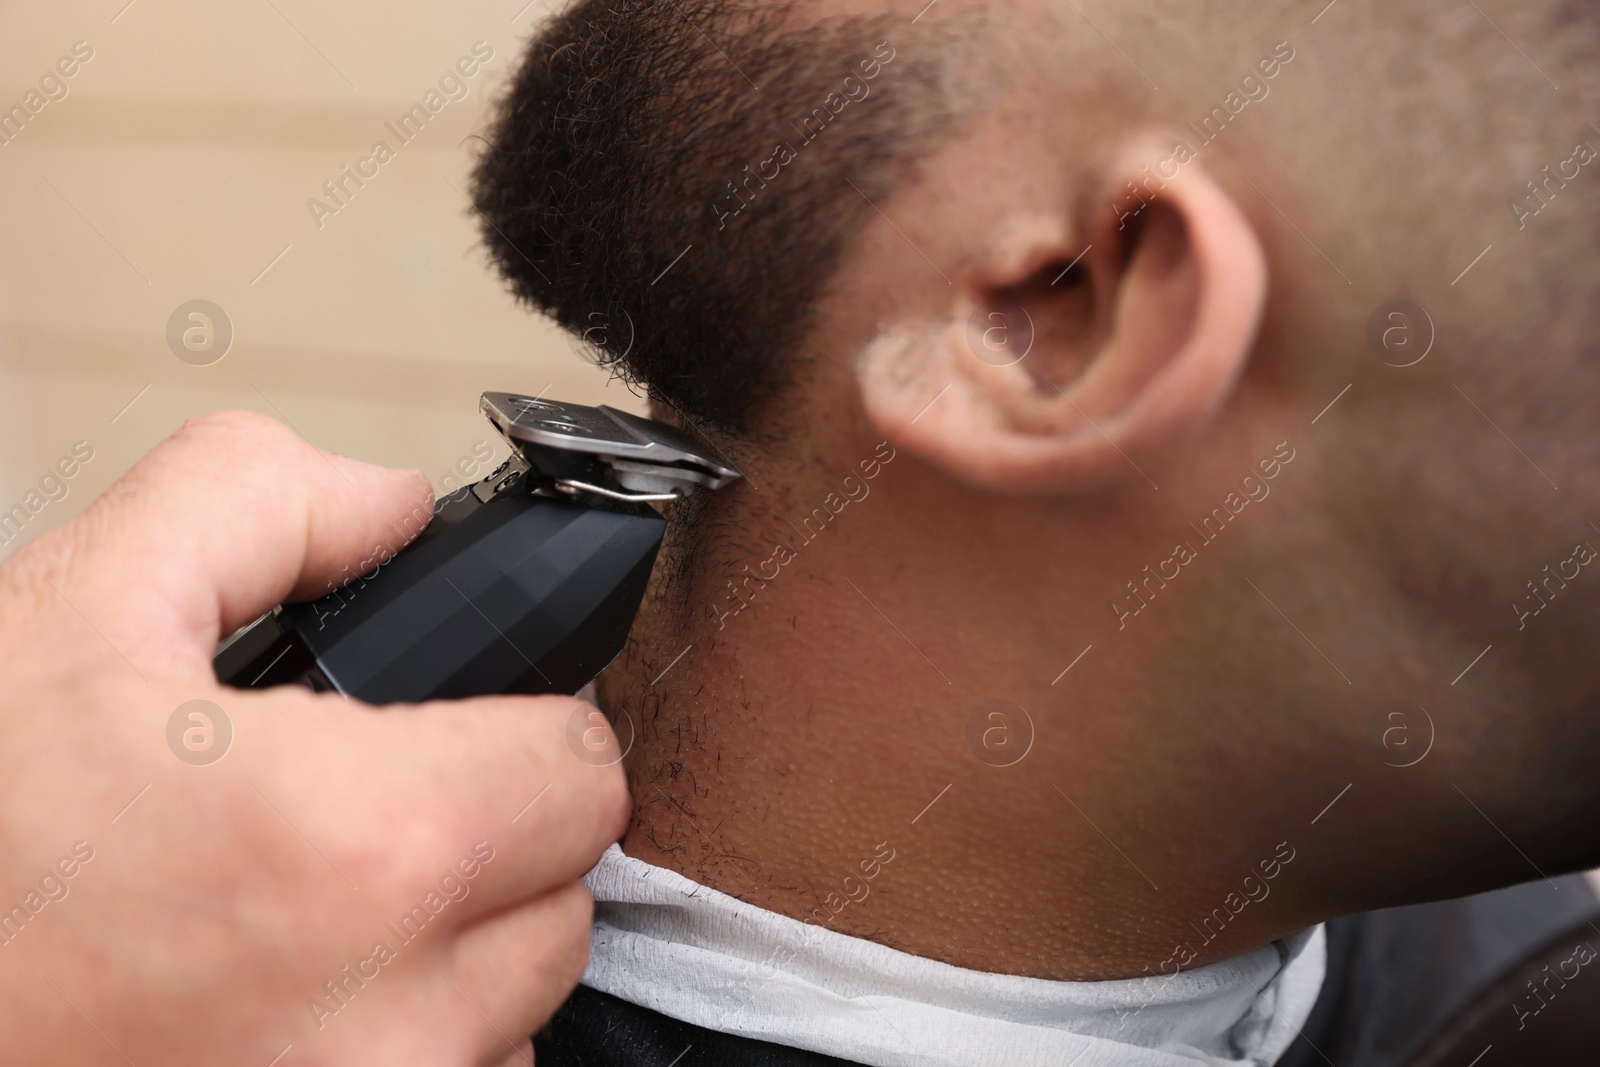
(1066, 312)
(1055, 320)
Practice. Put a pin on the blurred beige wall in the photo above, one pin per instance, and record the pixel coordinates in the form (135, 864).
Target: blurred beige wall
(178, 166)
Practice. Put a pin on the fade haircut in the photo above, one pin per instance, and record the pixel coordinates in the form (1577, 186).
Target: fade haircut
(672, 181)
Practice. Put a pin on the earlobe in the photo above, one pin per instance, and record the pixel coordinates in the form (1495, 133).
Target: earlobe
(1132, 350)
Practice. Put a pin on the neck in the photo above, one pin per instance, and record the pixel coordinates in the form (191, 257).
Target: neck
(832, 752)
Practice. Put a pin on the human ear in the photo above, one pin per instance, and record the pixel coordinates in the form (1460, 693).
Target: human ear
(1038, 377)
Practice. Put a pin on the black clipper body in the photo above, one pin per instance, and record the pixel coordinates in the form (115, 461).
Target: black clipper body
(526, 582)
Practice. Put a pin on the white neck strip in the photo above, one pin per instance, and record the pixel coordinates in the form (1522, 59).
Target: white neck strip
(689, 952)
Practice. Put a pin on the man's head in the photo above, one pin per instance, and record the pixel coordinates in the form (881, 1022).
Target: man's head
(1116, 287)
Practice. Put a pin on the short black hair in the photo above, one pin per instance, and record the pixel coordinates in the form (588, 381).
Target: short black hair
(639, 182)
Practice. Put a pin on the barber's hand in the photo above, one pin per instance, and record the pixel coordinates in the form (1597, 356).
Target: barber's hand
(355, 886)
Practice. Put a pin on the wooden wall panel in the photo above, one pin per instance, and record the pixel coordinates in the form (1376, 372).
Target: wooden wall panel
(178, 166)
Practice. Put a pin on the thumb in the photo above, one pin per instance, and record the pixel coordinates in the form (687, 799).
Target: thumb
(227, 517)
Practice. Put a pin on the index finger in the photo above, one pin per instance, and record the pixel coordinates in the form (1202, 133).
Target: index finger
(226, 518)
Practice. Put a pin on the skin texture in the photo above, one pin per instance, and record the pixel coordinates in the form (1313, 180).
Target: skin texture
(215, 901)
(1245, 712)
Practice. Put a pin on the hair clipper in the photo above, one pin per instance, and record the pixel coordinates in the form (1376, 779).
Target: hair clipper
(526, 582)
